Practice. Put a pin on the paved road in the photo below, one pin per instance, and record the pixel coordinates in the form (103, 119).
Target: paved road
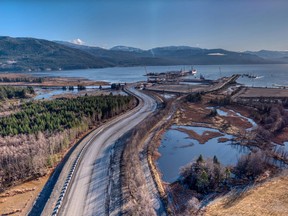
(89, 192)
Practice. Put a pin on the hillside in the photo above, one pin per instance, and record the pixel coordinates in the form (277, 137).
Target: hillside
(268, 54)
(269, 198)
(24, 54)
(280, 56)
(30, 54)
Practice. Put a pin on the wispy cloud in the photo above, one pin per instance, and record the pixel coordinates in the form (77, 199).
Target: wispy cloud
(78, 41)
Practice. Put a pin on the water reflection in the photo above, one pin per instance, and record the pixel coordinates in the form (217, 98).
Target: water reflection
(177, 149)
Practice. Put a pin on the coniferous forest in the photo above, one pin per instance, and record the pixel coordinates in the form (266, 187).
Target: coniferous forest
(10, 92)
(32, 138)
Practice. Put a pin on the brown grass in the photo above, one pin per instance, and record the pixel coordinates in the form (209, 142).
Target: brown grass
(14, 75)
(269, 198)
(203, 138)
(193, 112)
(237, 120)
(222, 139)
(18, 200)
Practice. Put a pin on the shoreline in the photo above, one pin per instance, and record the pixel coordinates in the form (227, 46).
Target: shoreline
(24, 79)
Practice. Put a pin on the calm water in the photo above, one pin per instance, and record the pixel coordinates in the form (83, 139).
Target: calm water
(177, 149)
(269, 75)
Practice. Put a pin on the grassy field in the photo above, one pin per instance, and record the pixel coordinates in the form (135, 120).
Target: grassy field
(269, 198)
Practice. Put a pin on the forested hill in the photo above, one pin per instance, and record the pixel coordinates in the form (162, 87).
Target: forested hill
(30, 54)
(24, 54)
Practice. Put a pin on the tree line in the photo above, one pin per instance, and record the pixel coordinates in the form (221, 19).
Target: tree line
(57, 115)
(272, 119)
(206, 176)
(22, 79)
(10, 92)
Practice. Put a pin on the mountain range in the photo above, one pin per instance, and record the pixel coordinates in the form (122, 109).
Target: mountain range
(281, 56)
(31, 54)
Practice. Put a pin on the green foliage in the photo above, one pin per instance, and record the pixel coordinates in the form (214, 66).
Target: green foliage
(203, 176)
(30, 90)
(9, 92)
(43, 55)
(221, 101)
(213, 113)
(62, 114)
(215, 160)
(81, 87)
(200, 159)
(202, 180)
(116, 86)
(194, 97)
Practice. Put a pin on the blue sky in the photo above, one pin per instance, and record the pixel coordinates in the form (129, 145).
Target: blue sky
(236, 25)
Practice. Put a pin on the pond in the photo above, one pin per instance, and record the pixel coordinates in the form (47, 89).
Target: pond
(178, 149)
(48, 93)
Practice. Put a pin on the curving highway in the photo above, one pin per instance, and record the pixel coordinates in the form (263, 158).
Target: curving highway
(97, 176)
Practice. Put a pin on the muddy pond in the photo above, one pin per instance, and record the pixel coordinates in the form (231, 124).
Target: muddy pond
(178, 149)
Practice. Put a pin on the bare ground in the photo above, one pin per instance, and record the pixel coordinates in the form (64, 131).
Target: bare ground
(20, 198)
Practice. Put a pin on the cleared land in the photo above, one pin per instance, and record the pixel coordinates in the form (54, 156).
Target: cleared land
(263, 92)
(182, 89)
